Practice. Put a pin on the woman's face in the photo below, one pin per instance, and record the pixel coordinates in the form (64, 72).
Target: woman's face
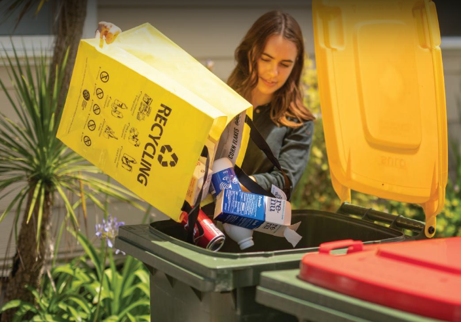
(275, 64)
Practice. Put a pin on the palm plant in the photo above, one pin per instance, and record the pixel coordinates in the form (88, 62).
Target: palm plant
(68, 20)
(314, 190)
(37, 168)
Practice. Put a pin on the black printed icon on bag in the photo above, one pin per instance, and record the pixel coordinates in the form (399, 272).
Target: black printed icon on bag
(144, 107)
(147, 99)
(87, 140)
(91, 125)
(99, 93)
(117, 106)
(109, 133)
(96, 109)
(127, 162)
(104, 77)
(164, 160)
(86, 95)
(133, 137)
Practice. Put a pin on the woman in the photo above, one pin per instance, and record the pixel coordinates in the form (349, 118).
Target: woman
(270, 61)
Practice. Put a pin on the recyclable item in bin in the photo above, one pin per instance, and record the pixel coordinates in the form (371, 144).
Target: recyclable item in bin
(210, 237)
(141, 109)
(224, 177)
(212, 146)
(232, 138)
(278, 193)
(252, 211)
(422, 277)
(196, 183)
(243, 236)
(263, 214)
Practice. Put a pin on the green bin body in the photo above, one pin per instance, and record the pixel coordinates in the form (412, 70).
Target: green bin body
(284, 291)
(189, 283)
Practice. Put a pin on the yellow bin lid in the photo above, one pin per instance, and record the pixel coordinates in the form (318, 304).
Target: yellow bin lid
(382, 96)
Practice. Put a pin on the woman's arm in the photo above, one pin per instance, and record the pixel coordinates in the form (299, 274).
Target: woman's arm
(293, 158)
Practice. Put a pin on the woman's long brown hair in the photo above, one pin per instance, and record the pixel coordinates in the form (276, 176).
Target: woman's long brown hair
(287, 101)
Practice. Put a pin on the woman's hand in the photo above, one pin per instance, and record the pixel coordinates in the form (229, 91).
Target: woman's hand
(107, 31)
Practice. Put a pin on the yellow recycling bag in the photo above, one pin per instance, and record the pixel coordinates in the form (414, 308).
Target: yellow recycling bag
(141, 109)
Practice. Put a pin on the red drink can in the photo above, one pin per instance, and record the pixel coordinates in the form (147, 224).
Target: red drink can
(212, 238)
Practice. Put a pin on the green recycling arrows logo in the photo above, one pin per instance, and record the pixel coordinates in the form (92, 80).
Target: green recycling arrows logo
(166, 157)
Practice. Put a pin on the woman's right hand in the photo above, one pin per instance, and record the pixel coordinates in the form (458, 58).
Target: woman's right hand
(107, 31)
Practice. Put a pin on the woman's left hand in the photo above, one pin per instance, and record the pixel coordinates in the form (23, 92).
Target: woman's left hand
(107, 31)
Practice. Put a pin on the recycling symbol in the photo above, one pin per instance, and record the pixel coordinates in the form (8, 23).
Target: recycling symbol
(174, 158)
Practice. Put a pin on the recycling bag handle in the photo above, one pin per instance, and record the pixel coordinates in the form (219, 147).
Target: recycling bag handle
(250, 184)
(193, 211)
(262, 144)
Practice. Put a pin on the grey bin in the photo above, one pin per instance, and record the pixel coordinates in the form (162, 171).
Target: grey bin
(189, 283)
(283, 290)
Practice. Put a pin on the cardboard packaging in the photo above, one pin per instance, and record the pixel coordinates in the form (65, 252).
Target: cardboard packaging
(198, 180)
(252, 211)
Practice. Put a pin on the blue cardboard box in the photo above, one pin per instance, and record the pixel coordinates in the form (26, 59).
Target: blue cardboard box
(252, 211)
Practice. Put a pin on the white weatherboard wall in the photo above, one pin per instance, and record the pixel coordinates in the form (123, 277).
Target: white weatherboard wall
(205, 29)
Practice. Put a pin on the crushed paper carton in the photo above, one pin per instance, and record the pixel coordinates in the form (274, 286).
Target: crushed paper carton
(263, 214)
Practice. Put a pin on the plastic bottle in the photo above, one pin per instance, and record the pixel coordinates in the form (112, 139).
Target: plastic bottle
(241, 235)
(224, 177)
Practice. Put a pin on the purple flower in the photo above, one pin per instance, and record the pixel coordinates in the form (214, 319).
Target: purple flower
(108, 230)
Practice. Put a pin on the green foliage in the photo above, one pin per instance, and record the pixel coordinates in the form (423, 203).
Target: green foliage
(314, 190)
(449, 221)
(73, 292)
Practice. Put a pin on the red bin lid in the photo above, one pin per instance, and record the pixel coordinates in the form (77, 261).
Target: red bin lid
(421, 277)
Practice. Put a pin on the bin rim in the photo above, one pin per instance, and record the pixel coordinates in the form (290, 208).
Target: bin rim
(340, 215)
(223, 271)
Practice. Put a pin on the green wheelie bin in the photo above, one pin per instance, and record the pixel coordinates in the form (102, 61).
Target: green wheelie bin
(190, 283)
